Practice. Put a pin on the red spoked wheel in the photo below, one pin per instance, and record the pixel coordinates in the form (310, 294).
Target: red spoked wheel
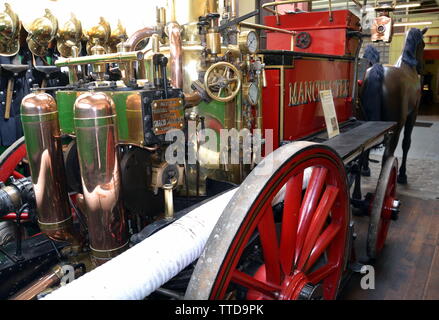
(10, 159)
(284, 234)
(385, 207)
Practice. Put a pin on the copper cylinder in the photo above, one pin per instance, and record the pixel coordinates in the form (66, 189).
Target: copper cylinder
(39, 115)
(176, 54)
(96, 136)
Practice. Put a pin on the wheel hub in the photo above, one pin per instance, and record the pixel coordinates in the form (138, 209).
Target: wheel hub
(392, 209)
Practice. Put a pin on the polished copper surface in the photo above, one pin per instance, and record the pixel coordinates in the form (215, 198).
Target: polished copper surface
(39, 115)
(96, 134)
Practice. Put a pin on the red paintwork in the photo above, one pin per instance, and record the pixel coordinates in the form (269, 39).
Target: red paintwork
(309, 205)
(8, 166)
(13, 216)
(326, 37)
(386, 215)
(272, 280)
(303, 120)
(431, 54)
(290, 218)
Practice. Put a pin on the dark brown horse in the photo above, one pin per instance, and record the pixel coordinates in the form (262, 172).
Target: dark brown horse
(393, 93)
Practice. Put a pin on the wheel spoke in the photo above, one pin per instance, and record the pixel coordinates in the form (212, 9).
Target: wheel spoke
(317, 223)
(251, 283)
(322, 273)
(322, 243)
(270, 247)
(309, 205)
(292, 200)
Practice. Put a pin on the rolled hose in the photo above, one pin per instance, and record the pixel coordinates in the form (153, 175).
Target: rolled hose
(144, 268)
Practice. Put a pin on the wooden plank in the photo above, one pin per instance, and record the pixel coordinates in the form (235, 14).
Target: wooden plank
(409, 265)
(349, 142)
(432, 287)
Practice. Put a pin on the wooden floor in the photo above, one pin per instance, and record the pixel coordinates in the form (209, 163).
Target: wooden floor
(409, 265)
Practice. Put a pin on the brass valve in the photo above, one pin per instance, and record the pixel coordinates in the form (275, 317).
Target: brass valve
(222, 81)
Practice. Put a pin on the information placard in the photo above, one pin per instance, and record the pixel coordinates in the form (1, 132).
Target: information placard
(329, 112)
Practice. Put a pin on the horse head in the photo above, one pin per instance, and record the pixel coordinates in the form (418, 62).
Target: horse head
(420, 53)
(413, 54)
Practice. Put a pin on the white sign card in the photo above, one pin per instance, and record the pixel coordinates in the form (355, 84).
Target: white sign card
(329, 112)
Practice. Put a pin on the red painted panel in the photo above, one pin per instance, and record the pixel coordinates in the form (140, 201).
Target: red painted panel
(304, 119)
(327, 37)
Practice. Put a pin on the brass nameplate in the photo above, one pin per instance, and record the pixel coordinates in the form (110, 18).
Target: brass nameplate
(167, 114)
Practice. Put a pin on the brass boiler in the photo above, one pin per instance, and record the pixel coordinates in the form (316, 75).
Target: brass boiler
(39, 115)
(96, 137)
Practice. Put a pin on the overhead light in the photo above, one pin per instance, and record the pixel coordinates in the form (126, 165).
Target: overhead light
(402, 24)
(398, 6)
(407, 5)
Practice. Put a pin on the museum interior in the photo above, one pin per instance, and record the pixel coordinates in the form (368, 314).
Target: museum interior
(219, 150)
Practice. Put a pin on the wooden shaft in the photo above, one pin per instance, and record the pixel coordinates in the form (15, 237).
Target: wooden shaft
(9, 93)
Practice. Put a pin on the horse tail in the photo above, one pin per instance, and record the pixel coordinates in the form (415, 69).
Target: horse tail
(372, 93)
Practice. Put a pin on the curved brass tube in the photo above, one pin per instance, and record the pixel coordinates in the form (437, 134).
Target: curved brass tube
(138, 36)
(192, 99)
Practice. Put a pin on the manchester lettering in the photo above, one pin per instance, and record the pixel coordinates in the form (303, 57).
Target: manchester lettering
(304, 92)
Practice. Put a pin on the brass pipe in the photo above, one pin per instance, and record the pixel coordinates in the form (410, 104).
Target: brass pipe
(39, 115)
(102, 58)
(48, 280)
(176, 54)
(99, 159)
(138, 36)
(262, 27)
(212, 6)
(233, 9)
(169, 201)
(192, 99)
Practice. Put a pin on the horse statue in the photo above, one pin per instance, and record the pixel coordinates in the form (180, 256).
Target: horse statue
(393, 93)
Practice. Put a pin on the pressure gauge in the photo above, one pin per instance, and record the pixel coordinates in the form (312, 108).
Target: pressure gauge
(251, 93)
(248, 42)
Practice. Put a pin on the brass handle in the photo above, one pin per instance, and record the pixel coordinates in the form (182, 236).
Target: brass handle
(220, 78)
(9, 93)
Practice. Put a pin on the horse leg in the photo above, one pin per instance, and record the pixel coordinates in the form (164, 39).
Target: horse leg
(390, 143)
(409, 124)
(365, 170)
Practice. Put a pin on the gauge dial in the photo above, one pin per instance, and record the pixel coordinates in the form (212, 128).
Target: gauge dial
(252, 93)
(248, 42)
